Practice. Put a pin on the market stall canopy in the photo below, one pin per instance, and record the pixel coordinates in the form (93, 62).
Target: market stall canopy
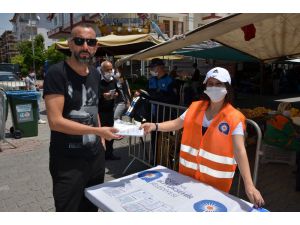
(117, 44)
(275, 36)
(219, 53)
(168, 57)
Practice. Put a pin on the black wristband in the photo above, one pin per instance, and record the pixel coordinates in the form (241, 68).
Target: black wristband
(156, 126)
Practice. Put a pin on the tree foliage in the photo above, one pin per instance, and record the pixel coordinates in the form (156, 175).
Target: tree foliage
(26, 50)
(53, 55)
(26, 57)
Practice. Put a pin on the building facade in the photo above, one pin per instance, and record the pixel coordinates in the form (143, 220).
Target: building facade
(27, 25)
(201, 19)
(119, 23)
(8, 46)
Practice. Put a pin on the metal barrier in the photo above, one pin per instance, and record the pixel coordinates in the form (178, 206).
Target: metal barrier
(258, 153)
(146, 150)
(3, 115)
(163, 152)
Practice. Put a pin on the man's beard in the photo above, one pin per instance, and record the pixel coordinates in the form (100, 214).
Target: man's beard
(85, 60)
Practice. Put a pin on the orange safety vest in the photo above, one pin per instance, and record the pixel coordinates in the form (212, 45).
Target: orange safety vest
(209, 158)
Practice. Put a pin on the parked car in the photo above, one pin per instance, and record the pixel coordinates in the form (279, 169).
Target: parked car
(10, 67)
(10, 81)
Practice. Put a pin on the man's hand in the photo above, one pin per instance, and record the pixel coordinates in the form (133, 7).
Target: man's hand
(107, 96)
(148, 127)
(115, 95)
(108, 133)
(136, 93)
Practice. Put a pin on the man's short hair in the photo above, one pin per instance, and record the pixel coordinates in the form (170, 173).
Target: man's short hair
(156, 62)
(83, 25)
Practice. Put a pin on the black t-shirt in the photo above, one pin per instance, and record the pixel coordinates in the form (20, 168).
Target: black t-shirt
(105, 86)
(81, 105)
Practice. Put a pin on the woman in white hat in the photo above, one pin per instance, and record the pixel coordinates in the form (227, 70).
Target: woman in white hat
(212, 142)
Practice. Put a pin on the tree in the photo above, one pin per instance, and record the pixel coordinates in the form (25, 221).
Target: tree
(19, 59)
(25, 49)
(53, 55)
(25, 59)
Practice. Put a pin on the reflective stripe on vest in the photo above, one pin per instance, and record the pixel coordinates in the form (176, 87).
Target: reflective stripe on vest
(208, 155)
(188, 149)
(206, 170)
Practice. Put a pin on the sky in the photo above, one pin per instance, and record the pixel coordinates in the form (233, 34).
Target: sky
(4, 22)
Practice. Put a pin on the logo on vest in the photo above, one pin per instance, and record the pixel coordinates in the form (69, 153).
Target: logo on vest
(149, 176)
(209, 206)
(224, 128)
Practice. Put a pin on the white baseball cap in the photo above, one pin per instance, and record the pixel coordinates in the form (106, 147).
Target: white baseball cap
(218, 73)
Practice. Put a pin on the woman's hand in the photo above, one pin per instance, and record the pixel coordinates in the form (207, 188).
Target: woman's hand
(254, 196)
(148, 127)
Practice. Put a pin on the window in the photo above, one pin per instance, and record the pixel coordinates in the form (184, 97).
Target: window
(167, 27)
(177, 27)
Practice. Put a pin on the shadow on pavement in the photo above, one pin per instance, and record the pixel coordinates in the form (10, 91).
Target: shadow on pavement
(116, 167)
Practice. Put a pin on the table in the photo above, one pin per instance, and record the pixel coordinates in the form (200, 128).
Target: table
(160, 189)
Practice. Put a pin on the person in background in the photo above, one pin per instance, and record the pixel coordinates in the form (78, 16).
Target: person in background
(196, 82)
(196, 73)
(71, 92)
(212, 142)
(161, 86)
(31, 85)
(173, 72)
(122, 102)
(107, 96)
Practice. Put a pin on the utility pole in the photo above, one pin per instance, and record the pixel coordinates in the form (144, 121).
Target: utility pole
(32, 43)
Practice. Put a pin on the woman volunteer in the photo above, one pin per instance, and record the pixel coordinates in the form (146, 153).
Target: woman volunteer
(213, 137)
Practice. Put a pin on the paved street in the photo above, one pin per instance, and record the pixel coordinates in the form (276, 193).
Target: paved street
(25, 183)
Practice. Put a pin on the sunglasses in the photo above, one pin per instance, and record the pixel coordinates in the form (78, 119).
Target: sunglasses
(89, 41)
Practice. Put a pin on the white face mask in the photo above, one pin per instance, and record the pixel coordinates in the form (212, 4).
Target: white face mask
(108, 76)
(117, 75)
(216, 94)
(154, 74)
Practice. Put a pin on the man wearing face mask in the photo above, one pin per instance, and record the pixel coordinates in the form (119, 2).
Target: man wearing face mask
(108, 93)
(212, 142)
(161, 86)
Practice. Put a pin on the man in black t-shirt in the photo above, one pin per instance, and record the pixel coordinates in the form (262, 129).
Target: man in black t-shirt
(71, 95)
(108, 92)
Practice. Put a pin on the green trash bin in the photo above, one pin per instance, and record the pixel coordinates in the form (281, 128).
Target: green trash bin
(24, 110)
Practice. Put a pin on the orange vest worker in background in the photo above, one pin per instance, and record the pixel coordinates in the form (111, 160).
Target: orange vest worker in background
(212, 142)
